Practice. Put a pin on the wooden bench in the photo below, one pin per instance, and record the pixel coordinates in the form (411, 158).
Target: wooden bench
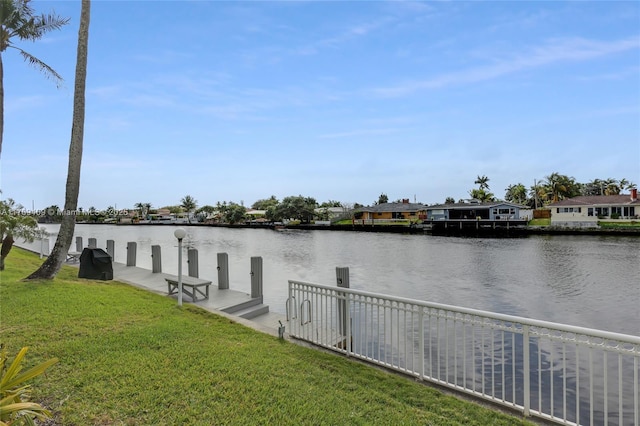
(192, 287)
(73, 256)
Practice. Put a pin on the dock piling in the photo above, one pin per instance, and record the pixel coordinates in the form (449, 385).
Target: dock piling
(111, 249)
(192, 262)
(131, 253)
(256, 277)
(223, 271)
(156, 259)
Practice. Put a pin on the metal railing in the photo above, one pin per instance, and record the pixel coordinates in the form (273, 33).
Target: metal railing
(41, 244)
(560, 373)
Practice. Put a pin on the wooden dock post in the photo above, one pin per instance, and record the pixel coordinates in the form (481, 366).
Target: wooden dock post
(223, 271)
(192, 262)
(156, 259)
(256, 277)
(131, 253)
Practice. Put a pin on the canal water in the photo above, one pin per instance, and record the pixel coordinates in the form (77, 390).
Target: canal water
(587, 281)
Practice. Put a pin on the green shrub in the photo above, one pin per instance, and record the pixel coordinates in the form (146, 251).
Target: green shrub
(15, 408)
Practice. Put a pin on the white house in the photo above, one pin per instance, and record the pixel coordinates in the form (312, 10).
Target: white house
(585, 211)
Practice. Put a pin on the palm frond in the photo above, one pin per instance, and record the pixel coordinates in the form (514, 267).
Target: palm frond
(48, 23)
(44, 68)
(26, 410)
(29, 374)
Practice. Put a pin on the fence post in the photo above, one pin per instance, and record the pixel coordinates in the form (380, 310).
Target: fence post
(44, 247)
(131, 253)
(111, 249)
(192, 262)
(342, 279)
(223, 271)
(526, 371)
(79, 244)
(156, 259)
(421, 336)
(93, 243)
(256, 277)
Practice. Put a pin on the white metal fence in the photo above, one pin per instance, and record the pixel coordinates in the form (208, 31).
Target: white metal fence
(560, 373)
(39, 245)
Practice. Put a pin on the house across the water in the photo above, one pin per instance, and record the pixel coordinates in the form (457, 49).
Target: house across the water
(585, 211)
(475, 210)
(476, 218)
(386, 212)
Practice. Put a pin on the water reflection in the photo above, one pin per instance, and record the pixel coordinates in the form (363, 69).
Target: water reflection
(587, 281)
(578, 383)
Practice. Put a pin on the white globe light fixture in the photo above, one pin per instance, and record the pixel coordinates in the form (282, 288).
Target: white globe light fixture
(180, 233)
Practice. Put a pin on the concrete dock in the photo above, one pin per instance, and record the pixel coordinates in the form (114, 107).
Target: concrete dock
(218, 301)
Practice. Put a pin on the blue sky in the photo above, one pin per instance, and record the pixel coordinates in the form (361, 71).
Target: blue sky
(236, 101)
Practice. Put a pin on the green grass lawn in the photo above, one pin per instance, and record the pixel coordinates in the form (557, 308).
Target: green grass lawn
(620, 225)
(131, 357)
(540, 222)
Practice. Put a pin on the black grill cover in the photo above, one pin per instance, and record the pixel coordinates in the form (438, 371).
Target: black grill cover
(95, 264)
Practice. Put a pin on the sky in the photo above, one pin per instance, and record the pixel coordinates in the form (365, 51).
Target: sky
(238, 101)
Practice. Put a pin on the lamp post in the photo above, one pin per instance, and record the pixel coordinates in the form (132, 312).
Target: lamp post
(180, 233)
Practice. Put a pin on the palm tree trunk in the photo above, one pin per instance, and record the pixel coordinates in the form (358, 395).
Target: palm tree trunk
(1, 103)
(7, 243)
(52, 265)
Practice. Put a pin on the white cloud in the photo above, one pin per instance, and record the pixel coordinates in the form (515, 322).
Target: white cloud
(363, 132)
(24, 102)
(553, 51)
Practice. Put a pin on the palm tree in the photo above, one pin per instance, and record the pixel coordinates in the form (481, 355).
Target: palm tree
(482, 182)
(611, 187)
(140, 208)
(188, 203)
(12, 226)
(482, 195)
(516, 193)
(595, 187)
(559, 187)
(143, 209)
(51, 266)
(626, 184)
(17, 20)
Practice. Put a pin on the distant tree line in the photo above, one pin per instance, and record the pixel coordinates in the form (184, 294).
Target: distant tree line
(305, 209)
(550, 189)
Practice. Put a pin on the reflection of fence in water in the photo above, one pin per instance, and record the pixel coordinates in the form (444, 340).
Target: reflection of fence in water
(382, 332)
(565, 374)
